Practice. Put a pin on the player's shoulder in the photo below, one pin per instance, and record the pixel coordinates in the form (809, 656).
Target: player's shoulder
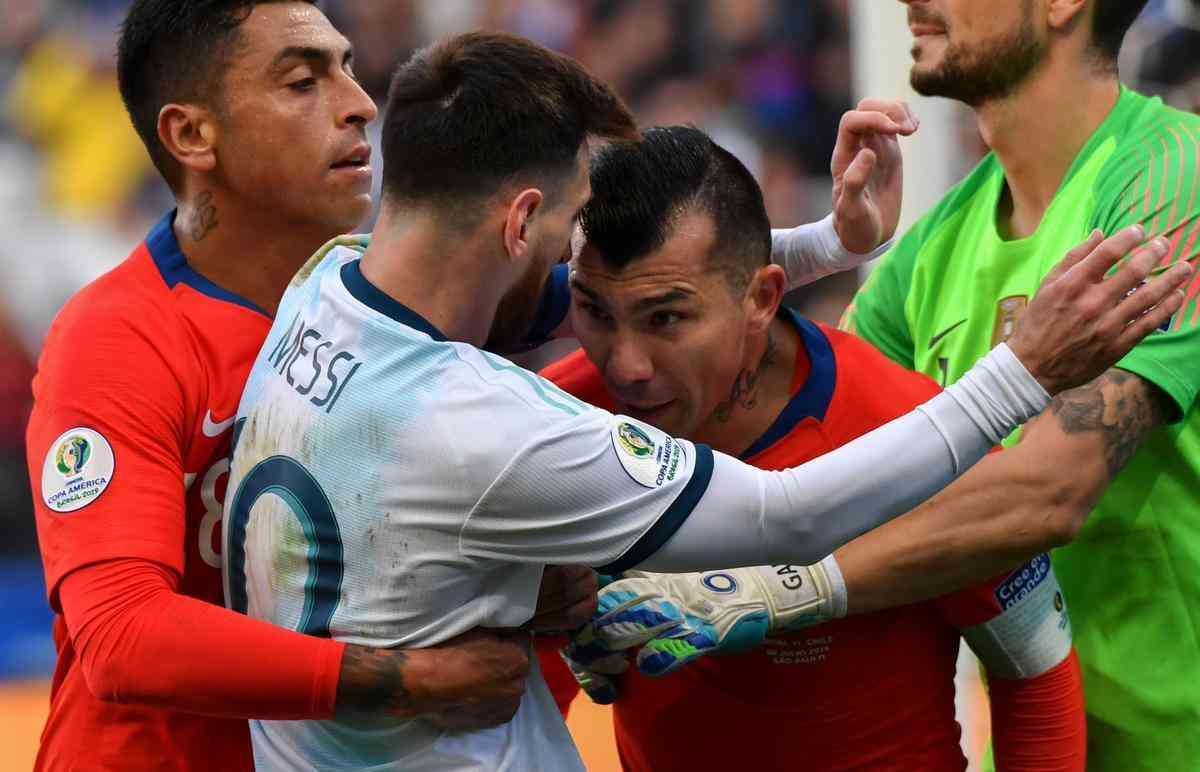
(577, 375)
(1146, 129)
(128, 306)
(864, 370)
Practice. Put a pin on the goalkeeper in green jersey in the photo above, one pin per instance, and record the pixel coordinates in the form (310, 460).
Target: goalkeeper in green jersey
(1073, 151)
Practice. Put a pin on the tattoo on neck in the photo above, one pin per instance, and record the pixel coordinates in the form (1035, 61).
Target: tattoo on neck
(204, 218)
(372, 680)
(744, 393)
(1119, 405)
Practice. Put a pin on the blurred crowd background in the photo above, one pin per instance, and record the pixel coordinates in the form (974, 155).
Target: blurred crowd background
(768, 78)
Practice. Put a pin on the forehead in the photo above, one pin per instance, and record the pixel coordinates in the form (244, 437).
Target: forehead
(682, 262)
(272, 27)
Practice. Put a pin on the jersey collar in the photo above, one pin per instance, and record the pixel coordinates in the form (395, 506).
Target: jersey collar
(813, 398)
(362, 290)
(172, 264)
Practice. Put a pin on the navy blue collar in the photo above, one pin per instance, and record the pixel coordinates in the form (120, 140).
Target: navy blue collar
(377, 300)
(173, 265)
(812, 401)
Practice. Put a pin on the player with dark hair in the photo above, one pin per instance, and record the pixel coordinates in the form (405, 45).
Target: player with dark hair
(678, 311)
(251, 112)
(1074, 152)
(371, 395)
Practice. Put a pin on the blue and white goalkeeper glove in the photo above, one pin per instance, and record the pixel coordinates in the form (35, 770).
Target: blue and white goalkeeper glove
(677, 618)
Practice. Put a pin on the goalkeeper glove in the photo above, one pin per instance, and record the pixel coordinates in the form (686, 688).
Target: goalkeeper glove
(677, 618)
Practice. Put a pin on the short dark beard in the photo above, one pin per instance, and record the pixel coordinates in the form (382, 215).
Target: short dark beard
(991, 71)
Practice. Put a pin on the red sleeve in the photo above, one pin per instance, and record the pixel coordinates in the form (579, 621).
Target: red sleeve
(1038, 724)
(563, 686)
(139, 641)
(105, 441)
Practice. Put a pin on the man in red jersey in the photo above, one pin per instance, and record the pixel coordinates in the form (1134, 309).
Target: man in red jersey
(251, 112)
(680, 319)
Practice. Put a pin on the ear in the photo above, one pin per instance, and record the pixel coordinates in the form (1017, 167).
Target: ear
(189, 133)
(1062, 14)
(763, 296)
(516, 222)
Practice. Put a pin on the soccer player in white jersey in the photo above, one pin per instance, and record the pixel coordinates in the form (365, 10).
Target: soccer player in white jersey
(392, 484)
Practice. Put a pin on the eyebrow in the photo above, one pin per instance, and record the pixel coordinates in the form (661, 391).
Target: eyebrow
(666, 298)
(654, 301)
(311, 54)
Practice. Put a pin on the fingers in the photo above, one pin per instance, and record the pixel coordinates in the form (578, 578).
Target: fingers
(1135, 270)
(663, 656)
(859, 124)
(1152, 305)
(897, 109)
(862, 122)
(1096, 265)
(599, 685)
(855, 180)
(1074, 256)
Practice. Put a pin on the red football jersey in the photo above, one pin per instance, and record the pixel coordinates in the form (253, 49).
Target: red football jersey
(136, 391)
(871, 692)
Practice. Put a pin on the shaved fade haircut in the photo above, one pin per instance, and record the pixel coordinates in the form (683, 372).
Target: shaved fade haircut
(641, 189)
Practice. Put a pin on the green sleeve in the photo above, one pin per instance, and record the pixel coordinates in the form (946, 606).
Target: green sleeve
(877, 312)
(1156, 182)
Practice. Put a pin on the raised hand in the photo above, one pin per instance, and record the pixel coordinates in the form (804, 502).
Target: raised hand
(868, 173)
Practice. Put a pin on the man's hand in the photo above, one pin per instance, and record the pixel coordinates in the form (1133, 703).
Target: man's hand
(677, 618)
(1082, 320)
(566, 601)
(868, 173)
(470, 682)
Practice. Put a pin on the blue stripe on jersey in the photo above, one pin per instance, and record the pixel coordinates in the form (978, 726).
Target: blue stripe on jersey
(173, 265)
(376, 299)
(812, 401)
(666, 526)
(538, 384)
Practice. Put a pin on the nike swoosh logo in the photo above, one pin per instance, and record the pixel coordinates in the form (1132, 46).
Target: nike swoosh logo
(213, 428)
(936, 338)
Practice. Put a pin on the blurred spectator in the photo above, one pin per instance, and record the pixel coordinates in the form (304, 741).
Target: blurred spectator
(1165, 58)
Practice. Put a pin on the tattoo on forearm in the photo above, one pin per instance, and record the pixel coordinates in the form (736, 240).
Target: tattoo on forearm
(372, 680)
(1120, 405)
(744, 393)
(204, 219)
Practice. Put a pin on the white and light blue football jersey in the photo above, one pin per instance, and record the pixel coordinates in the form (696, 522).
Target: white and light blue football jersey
(392, 488)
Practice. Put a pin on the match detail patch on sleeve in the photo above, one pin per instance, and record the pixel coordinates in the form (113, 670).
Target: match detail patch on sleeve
(650, 456)
(78, 467)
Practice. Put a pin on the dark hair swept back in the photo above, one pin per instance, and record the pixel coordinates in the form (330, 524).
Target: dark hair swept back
(470, 112)
(173, 51)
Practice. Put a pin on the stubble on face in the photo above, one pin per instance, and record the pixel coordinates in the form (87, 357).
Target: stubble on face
(985, 71)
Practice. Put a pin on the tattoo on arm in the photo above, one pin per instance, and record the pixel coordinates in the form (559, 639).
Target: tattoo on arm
(744, 393)
(1122, 406)
(204, 219)
(372, 680)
